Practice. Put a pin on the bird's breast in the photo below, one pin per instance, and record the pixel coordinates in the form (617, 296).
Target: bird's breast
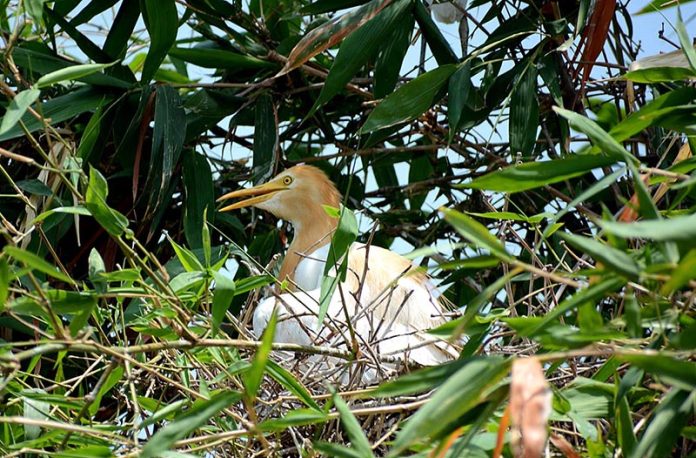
(310, 269)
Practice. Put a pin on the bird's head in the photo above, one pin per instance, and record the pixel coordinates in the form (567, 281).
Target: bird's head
(292, 195)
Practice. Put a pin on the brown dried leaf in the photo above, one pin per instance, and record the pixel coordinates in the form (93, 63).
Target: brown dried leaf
(564, 446)
(594, 36)
(530, 406)
(327, 35)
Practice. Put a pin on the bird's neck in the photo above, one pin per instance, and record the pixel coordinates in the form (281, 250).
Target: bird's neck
(313, 229)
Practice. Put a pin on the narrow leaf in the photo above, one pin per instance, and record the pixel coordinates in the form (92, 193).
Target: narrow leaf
(410, 100)
(355, 433)
(475, 232)
(17, 107)
(524, 112)
(34, 262)
(609, 256)
(530, 175)
(70, 74)
(222, 298)
(165, 438)
(162, 22)
(254, 376)
(327, 35)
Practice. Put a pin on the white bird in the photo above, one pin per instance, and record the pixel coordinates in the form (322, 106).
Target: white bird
(383, 307)
(448, 12)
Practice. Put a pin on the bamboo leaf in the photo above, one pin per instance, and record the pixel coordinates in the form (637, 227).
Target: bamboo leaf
(681, 374)
(359, 47)
(475, 232)
(660, 75)
(218, 58)
(222, 298)
(70, 74)
(355, 433)
(18, 106)
(34, 262)
(676, 229)
(410, 100)
(530, 175)
(196, 417)
(524, 112)
(95, 201)
(162, 22)
(614, 259)
(461, 392)
(254, 376)
(334, 31)
(669, 418)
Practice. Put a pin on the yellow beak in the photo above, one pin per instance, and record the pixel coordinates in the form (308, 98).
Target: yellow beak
(258, 194)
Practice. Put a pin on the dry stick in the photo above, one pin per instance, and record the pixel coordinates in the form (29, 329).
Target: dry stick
(50, 424)
(90, 398)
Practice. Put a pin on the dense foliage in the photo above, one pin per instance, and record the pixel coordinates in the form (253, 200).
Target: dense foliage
(549, 191)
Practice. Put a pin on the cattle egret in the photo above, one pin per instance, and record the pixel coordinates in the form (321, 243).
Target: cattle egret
(383, 307)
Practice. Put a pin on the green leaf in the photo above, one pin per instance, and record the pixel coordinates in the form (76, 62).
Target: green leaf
(530, 175)
(524, 112)
(297, 417)
(624, 426)
(167, 143)
(682, 274)
(60, 109)
(34, 262)
(5, 278)
(222, 298)
(336, 450)
(355, 433)
(420, 381)
(67, 210)
(475, 232)
(676, 229)
(70, 74)
(208, 57)
(685, 41)
(35, 186)
(614, 259)
(457, 95)
(330, 33)
(390, 57)
(359, 47)
(18, 106)
(186, 257)
(265, 137)
(591, 294)
(121, 29)
(597, 135)
(199, 195)
(679, 373)
(410, 100)
(196, 417)
(438, 44)
(162, 23)
(35, 10)
(461, 392)
(669, 418)
(345, 235)
(288, 380)
(660, 75)
(254, 376)
(249, 283)
(656, 5)
(95, 201)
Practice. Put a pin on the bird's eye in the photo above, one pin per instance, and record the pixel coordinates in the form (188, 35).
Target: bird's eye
(287, 181)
